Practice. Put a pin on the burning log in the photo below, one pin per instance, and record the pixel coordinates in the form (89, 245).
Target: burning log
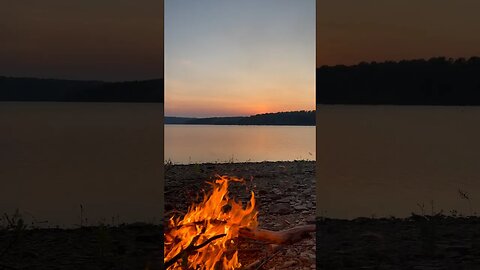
(288, 236)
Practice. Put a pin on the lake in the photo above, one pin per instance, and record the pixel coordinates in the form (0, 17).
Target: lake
(394, 160)
(56, 156)
(186, 144)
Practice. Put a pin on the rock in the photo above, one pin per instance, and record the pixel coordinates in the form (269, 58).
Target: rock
(290, 253)
(281, 208)
(286, 199)
(262, 193)
(276, 191)
(275, 197)
(311, 256)
(311, 220)
(288, 264)
(300, 207)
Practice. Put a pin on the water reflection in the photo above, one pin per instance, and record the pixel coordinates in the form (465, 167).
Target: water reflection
(209, 143)
(389, 160)
(57, 156)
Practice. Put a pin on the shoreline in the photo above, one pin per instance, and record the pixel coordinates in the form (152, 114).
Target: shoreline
(273, 125)
(221, 163)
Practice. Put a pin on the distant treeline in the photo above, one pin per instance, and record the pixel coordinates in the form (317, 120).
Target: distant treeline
(437, 81)
(32, 89)
(296, 118)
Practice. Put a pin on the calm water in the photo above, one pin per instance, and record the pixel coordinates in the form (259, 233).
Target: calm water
(211, 143)
(384, 160)
(105, 156)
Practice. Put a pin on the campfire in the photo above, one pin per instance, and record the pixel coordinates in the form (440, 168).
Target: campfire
(205, 237)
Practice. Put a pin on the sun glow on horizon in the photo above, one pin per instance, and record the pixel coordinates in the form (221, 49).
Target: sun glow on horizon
(191, 108)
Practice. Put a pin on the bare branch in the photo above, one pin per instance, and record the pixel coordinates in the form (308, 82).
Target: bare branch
(192, 247)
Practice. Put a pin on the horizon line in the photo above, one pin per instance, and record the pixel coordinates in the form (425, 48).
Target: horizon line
(199, 117)
(397, 61)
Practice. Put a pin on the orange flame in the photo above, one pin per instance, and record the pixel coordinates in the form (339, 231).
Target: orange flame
(215, 216)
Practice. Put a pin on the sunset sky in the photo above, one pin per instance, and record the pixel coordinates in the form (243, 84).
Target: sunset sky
(226, 58)
(351, 31)
(114, 40)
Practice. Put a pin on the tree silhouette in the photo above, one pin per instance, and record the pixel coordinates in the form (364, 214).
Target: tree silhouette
(32, 89)
(436, 81)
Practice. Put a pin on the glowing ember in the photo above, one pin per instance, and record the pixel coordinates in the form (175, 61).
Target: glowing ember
(204, 237)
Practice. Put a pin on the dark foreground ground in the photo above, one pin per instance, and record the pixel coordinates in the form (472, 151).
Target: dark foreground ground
(135, 246)
(417, 242)
(285, 193)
